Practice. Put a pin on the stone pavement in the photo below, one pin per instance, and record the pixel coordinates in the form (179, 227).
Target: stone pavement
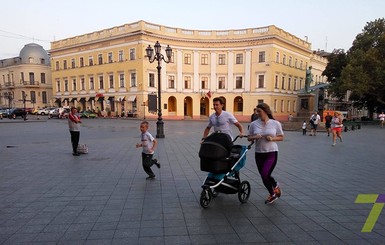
(48, 196)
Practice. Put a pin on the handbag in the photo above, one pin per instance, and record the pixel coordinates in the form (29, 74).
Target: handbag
(82, 149)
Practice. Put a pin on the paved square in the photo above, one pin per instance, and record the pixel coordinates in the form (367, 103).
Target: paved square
(48, 196)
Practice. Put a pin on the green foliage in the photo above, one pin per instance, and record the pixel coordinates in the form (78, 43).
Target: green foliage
(362, 69)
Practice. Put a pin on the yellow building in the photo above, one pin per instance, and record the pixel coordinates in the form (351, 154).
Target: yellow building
(109, 70)
(28, 77)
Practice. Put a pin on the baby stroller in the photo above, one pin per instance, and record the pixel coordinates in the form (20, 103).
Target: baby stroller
(223, 160)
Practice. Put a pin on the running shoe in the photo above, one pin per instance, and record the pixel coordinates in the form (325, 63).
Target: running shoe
(271, 198)
(277, 191)
(156, 162)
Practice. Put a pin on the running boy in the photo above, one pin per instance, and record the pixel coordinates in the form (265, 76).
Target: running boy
(149, 144)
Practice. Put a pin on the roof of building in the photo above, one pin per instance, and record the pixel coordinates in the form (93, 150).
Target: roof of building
(35, 54)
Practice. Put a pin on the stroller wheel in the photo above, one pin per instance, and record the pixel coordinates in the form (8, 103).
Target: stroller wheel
(205, 199)
(244, 191)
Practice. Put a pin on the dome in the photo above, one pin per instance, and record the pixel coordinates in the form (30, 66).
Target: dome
(33, 53)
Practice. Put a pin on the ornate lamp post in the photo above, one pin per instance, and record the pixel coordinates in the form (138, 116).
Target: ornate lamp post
(159, 57)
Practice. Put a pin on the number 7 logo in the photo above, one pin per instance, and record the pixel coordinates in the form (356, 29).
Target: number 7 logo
(378, 204)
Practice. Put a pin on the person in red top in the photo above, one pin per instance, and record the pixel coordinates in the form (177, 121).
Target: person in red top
(74, 127)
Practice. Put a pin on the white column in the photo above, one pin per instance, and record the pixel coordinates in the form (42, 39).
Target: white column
(230, 72)
(248, 70)
(213, 71)
(195, 79)
(179, 73)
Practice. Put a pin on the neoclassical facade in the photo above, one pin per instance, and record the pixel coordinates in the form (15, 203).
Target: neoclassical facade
(109, 70)
(28, 77)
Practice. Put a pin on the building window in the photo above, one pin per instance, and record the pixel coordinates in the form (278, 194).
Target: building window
(81, 61)
(172, 58)
(110, 57)
(57, 65)
(300, 83)
(204, 59)
(92, 85)
(132, 54)
(283, 83)
(289, 83)
(101, 82)
(90, 61)
(133, 79)
(121, 80)
(288, 106)
(239, 59)
(277, 57)
(261, 57)
(100, 59)
(282, 106)
(64, 64)
(295, 84)
(31, 60)
(238, 82)
(42, 61)
(43, 97)
(58, 86)
(74, 84)
(221, 82)
(221, 59)
(66, 85)
(187, 82)
(72, 63)
(151, 80)
(171, 81)
(205, 83)
(290, 60)
(111, 79)
(120, 55)
(31, 78)
(21, 75)
(275, 105)
(260, 102)
(187, 59)
(42, 77)
(296, 63)
(82, 83)
(276, 81)
(284, 59)
(261, 81)
(301, 64)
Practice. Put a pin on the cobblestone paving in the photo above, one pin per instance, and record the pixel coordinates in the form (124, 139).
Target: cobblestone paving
(48, 196)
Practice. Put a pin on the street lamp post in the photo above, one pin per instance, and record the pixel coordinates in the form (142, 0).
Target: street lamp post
(159, 57)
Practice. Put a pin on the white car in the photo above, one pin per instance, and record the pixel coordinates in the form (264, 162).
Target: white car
(44, 111)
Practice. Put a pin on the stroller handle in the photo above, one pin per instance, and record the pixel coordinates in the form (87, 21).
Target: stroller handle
(249, 146)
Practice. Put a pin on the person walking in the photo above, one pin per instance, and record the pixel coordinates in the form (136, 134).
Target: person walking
(254, 116)
(337, 126)
(74, 127)
(314, 120)
(265, 132)
(148, 144)
(328, 121)
(221, 120)
(382, 119)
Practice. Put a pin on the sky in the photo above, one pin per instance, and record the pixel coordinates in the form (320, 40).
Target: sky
(326, 24)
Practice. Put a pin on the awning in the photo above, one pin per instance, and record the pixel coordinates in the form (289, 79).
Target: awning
(99, 95)
(132, 98)
(120, 98)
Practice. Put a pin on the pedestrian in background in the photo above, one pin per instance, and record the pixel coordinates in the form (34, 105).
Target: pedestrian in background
(314, 120)
(74, 127)
(382, 119)
(148, 144)
(328, 121)
(265, 132)
(337, 126)
(304, 127)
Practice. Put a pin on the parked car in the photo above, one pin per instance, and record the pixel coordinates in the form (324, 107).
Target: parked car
(17, 112)
(4, 113)
(54, 113)
(88, 114)
(44, 111)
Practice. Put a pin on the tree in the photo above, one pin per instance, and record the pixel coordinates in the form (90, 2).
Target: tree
(364, 74)
(337, 60)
